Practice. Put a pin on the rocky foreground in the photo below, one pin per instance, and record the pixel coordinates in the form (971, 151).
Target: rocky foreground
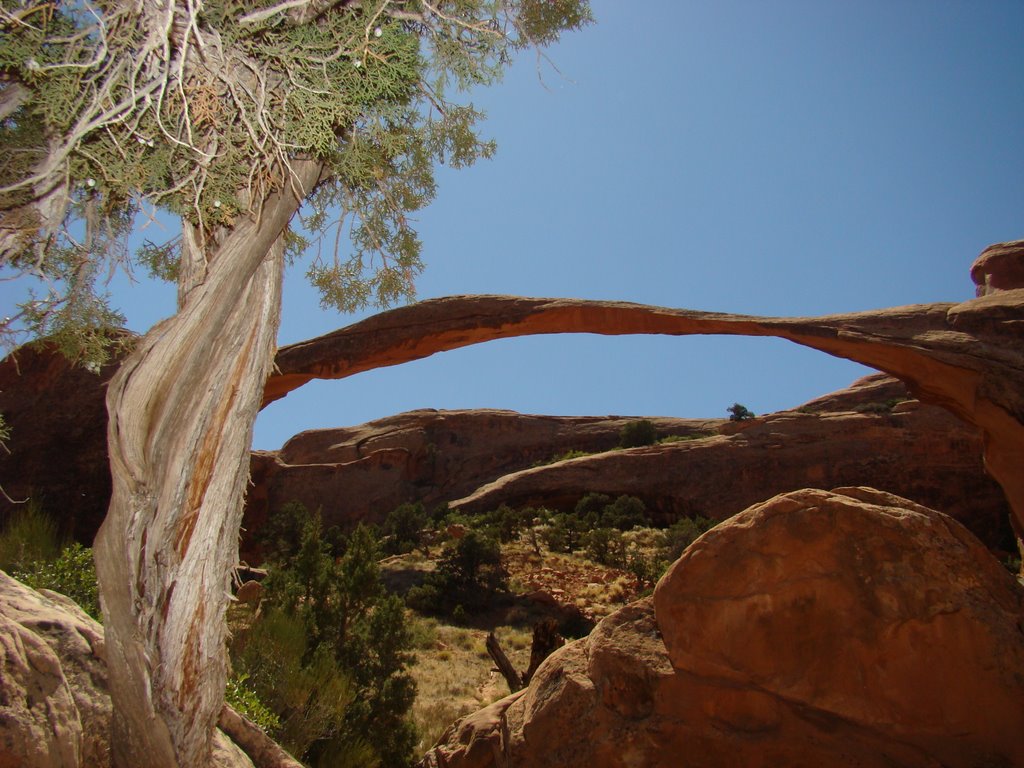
(843, 628)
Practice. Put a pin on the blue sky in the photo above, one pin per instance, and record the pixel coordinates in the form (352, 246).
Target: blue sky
(785, 158)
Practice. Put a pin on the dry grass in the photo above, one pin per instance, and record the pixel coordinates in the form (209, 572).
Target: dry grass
(455, 676)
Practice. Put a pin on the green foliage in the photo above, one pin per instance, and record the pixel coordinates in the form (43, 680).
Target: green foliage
(30, 535)
(469, 574)
(351, 632)
(637, 433)
(97, 111)
(685, 438)
(72, 574)
(403, 528)
(472, 561)
(880, 408)
(682, 533)
(307, 691)
(739, 412)
(246, 702)
(594, 512)
(606, 546)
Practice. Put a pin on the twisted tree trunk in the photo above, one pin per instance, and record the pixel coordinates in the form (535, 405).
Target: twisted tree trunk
(182, 408)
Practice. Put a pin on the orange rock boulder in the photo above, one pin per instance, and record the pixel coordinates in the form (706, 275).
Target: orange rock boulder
(844, 628)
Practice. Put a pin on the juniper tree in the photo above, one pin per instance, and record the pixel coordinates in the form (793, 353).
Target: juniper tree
(230, 114)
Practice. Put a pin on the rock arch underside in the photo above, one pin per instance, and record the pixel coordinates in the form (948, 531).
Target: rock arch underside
(966, 357)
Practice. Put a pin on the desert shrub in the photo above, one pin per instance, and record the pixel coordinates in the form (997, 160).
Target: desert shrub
(682, 533)
(739, 412)
(30, 535)
(280, 537)
(473, 560)
(564, 532)
(353, 636)
(624, 513)
(647, 568)
(685, 438)
(637, 433)
(72, 573)
(591, 506)
(469, 574)
(243, 697)
(606, 546)
(402, 530)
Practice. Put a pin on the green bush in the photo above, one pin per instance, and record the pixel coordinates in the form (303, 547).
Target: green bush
(606, 546)
(73, 574)
(331, 620)
(403, 528)
(637, 433)
(247, 702)
(739, 412)
(682, 533)
(30, 535)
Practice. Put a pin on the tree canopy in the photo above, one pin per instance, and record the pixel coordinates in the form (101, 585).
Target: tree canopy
(234, 115)
(112, 111)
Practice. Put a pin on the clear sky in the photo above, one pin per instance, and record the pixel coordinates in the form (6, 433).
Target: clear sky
(783, 158)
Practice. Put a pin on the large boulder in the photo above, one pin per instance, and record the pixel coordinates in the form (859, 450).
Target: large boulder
(55, 709)
(844, 628)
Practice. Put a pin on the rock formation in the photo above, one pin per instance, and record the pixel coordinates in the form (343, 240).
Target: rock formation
(55, 709)
(57, 451)
(850, 628)
(478, 460)
(967, 357)
(916, 451)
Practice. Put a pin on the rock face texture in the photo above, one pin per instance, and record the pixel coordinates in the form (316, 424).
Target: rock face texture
(999, 268)
(362, 473)
(844, 628)
(57, 452)
(917, 451)
(478, 460)
(967, 357)
(55, 709)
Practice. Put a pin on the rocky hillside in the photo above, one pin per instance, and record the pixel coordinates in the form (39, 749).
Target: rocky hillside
(869, 434)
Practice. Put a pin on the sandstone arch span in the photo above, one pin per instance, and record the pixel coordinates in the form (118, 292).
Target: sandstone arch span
(966, 357)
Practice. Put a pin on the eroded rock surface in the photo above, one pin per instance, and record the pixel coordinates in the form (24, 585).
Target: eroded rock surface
(915, 450)
(54, 709)
(57, 451)
(966, 357)
(844, 628)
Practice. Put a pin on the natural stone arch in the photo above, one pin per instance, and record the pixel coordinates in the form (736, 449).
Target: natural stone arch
(967, 357)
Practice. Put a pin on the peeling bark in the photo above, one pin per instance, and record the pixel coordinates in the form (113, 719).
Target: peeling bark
(182, 408)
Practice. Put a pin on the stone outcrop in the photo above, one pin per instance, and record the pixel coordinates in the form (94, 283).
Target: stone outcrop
(917, 451)
(478, 460)
(57, 451)
(1000, 267)
(966, 357)
(363, 472)
(55, 709)
(482, 458)
(844, 628)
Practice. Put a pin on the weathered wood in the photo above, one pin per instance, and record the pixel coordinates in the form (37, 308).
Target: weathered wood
(261, 749)
(181, 410)
(546, 641)
(515, 682)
